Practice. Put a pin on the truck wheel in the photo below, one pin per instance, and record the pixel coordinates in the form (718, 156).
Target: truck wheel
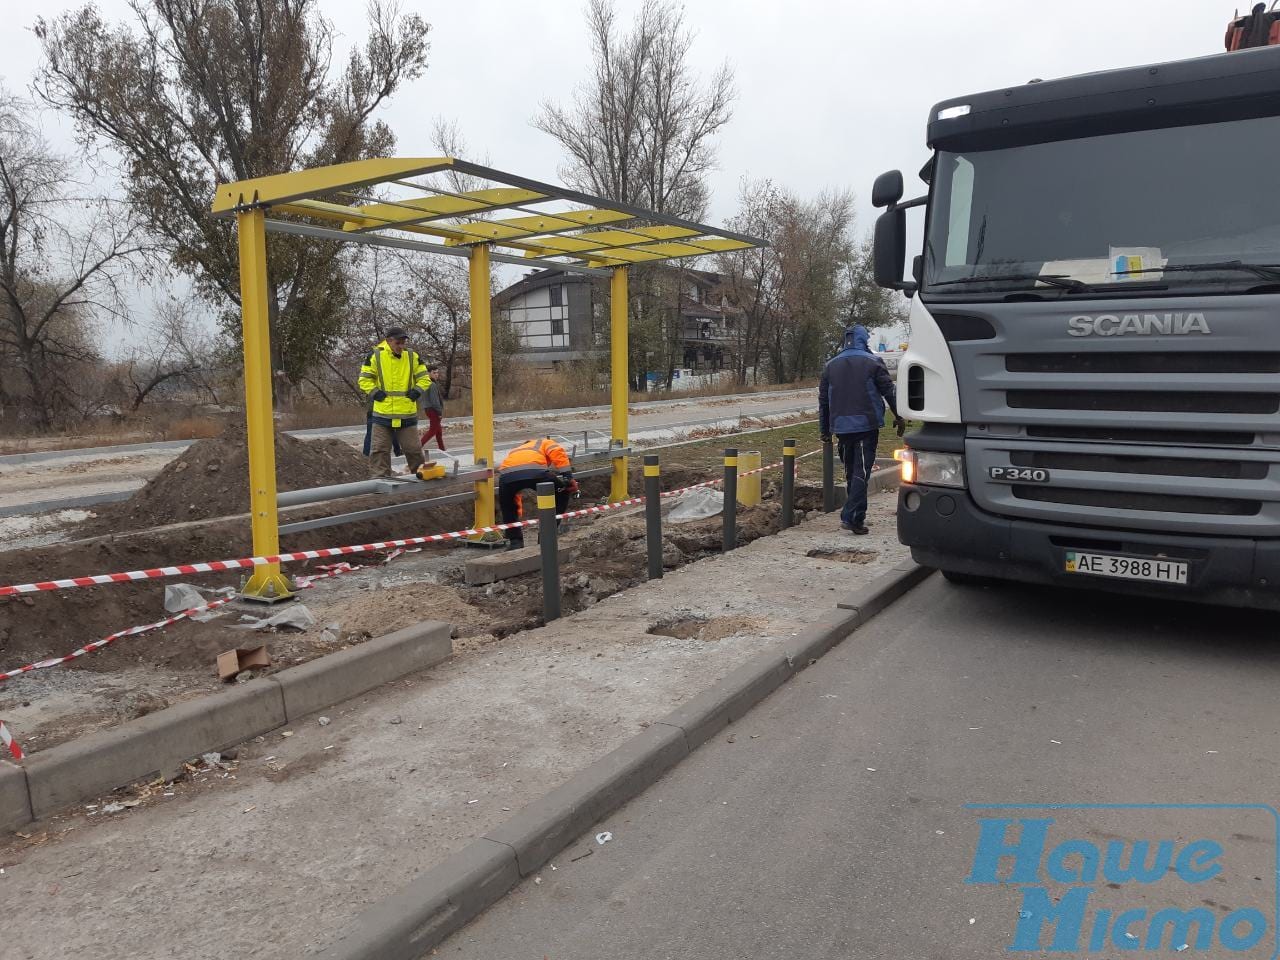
(965, 579)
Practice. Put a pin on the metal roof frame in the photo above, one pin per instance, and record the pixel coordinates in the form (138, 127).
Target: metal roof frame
(556, 227)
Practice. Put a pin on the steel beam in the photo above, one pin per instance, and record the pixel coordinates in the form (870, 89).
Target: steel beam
(482, 381)
(266, 581)
(619, 378)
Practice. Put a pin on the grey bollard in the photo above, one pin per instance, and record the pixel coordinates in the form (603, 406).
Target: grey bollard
(730, 499)
(548, 541)
(788, 483)
(828, 476)
(653, 515)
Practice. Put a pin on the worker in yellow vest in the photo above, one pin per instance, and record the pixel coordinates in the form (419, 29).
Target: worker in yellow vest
(532, 463)
(394, 378)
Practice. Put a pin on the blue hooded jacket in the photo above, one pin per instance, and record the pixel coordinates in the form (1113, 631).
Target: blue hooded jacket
(854, 388)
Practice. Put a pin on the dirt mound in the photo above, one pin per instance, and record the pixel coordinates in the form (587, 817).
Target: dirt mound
(211, 479)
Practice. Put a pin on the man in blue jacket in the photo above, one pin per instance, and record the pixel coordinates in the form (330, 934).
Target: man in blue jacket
(854, 389)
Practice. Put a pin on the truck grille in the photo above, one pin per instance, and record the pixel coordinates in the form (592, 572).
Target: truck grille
(1151, 432)
(1143, 362)
(1141, 401)
(1152, 503)
(1219, 438)
(1157, 466)
(1184, 489)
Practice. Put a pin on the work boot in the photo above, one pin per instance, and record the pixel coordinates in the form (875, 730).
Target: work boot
(515, 544)
(859, 529)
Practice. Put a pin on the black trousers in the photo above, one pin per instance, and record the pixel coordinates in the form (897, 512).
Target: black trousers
(511, 485)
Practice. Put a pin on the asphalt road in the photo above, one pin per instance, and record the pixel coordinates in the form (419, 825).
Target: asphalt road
(832, 822)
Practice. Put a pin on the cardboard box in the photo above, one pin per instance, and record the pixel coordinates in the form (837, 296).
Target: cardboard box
(243, 658)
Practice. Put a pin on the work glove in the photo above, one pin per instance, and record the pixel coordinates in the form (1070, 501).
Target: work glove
(826, 438)
(900, 425)
(573, 486)
(379, 396)
(415, 394)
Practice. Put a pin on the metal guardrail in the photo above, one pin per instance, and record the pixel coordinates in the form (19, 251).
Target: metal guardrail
(374, 513)
(359, 488)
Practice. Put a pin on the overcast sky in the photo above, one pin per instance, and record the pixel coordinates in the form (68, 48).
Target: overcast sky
(830, 92)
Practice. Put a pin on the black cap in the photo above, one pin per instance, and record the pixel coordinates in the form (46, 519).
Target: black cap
(397, 333)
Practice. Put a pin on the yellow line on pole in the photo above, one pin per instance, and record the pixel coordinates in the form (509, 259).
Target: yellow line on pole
(619, 378)
(266, 582)
(482, 380)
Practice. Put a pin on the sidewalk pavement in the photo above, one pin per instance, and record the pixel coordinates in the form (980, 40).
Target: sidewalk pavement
(275, 857)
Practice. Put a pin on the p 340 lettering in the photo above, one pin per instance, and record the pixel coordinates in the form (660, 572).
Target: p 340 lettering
(1019, 474)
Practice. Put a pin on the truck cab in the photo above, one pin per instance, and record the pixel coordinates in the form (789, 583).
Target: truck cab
(1095, 332)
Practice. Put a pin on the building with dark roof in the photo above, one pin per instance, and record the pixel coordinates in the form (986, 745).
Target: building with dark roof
(558, 317)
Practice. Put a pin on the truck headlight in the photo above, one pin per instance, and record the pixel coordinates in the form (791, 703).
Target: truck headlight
(931, 468)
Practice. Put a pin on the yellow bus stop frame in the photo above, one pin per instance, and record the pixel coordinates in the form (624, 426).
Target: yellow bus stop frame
(396, 202)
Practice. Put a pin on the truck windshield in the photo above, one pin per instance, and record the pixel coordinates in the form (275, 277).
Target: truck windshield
(1177, 210)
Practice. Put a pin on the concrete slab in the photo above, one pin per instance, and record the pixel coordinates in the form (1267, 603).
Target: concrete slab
(348, 673)
(505, 564)
(15, 801)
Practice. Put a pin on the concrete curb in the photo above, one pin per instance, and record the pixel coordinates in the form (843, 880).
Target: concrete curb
(869, 600)
(409, 924)
(158, 743)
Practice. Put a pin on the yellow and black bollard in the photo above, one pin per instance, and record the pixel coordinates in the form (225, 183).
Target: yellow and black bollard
(547, 540)
(730, 499)
(653, 515)
(788, 483)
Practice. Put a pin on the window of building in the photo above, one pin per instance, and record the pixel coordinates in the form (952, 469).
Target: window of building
(557, 295)
(557, 325)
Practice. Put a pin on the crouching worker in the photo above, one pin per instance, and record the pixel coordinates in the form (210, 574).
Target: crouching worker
(532, 463)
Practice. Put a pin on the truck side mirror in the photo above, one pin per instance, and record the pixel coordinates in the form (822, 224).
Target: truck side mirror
(889, 252)
(887, 190)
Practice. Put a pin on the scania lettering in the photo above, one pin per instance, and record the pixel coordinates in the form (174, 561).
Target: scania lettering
(1095, 332)
(1111, 325)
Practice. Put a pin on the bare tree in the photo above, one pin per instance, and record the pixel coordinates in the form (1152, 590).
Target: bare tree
(171, 352)
(201, 92)
(642, 130)
(63, 257)
(796, 294)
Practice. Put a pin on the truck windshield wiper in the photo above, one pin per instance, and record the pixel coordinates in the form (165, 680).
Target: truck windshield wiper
(1052, 279)
(1267, 271)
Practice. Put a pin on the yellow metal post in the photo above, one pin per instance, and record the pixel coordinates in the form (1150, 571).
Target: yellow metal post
(267, 582)
(748, 487)
(619, 378)
(482, 380)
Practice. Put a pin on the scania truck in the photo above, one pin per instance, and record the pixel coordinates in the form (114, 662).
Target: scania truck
(1095, 332)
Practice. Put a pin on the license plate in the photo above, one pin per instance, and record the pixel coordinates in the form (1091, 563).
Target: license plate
(1127, 568)
(1018, 474)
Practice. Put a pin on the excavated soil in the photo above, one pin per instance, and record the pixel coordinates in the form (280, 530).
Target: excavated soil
(211, 479)
(607, 554)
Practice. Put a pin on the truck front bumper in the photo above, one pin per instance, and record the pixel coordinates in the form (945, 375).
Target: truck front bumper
(945, 529)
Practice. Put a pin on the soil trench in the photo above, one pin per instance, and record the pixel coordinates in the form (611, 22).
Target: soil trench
(149, 672)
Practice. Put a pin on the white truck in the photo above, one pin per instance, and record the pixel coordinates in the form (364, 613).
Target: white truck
(1095, 346)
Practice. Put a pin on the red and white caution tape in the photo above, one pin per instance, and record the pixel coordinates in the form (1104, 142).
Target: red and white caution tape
(244, 563)
(10, 744)
(304, 582)
(220, 566)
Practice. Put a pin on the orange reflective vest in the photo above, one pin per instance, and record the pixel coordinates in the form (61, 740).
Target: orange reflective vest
(544, 453)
